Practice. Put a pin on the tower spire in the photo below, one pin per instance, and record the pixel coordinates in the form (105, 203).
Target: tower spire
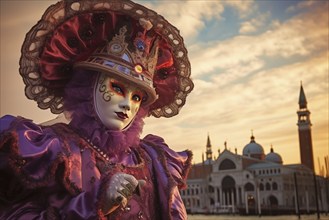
(302, 98)
(208, 149)
(208, 141)
(304, 131)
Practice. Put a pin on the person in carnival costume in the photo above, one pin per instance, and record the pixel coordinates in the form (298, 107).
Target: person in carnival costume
(106, 64)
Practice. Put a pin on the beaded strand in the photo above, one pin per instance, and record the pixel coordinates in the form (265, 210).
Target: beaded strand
(98, 150)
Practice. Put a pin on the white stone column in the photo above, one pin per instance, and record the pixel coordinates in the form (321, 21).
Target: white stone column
(243, 194)
(216, 194)
(237, 195)
(224, 198)
(258, 202)
(246, 202)
(232, 198)
(221, 196)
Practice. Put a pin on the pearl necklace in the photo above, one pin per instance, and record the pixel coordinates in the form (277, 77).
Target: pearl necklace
(98, 150)
(94, 148)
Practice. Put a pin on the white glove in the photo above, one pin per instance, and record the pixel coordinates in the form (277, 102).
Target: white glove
(121, 188)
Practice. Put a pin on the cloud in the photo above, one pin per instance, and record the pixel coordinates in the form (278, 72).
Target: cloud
(244, 8)
(233, 74)
(305, 4)
(188, 16)
(248, 27)
(253, 24)
(284, 40)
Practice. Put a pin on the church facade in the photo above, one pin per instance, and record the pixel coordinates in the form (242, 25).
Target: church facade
(258, 183)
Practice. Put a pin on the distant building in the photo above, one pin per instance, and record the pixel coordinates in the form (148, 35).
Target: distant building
(304, 132)
(255, 183)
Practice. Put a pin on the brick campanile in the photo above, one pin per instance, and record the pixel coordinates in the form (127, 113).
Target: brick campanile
(304, 131)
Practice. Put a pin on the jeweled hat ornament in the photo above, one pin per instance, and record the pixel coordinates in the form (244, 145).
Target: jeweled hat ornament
(135, 65)
(117, 37)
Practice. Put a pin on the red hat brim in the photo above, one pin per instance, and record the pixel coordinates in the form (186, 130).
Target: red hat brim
(70, 31)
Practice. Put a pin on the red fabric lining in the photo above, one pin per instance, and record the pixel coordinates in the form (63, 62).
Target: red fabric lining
(78, 37)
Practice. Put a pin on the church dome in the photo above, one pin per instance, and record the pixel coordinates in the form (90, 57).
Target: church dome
(273, 157)
(253, 149)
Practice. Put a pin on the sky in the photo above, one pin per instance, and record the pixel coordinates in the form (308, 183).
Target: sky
(248, 60)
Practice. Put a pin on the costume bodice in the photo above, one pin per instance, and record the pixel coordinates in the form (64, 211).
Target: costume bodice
(143, 203)
(134, 161)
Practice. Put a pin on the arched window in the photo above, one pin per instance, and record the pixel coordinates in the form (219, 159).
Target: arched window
(274, 186)
(228, 182)
(261, 187)
(268, 186)
(249, 187)
(227, 164)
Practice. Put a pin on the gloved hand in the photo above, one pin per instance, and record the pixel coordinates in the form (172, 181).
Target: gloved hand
(121, 188)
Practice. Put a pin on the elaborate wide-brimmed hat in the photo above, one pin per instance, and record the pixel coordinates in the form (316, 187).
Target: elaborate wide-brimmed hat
(117, 37)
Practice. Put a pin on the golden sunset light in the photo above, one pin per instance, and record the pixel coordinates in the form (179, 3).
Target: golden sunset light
(249, 60)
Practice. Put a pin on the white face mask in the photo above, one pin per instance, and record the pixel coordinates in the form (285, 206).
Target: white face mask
(116, 103)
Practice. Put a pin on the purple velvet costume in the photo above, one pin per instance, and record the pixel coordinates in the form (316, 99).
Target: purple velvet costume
(54, 172)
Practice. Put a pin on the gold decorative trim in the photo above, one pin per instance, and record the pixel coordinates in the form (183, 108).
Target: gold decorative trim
(36, 87)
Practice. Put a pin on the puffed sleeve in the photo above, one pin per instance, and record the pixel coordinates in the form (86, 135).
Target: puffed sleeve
(29, 152)
(41, 174)
(171, 169)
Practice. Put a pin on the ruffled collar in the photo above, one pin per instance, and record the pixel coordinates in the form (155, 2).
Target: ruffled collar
(112, 142)
(79, 102)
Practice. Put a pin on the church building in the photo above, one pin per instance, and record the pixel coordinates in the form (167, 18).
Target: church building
(256, 182)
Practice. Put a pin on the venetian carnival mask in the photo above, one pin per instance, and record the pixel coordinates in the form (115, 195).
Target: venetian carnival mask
(116, 103)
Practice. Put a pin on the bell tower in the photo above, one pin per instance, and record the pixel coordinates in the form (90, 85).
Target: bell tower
(304, 131)
(208, 150)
